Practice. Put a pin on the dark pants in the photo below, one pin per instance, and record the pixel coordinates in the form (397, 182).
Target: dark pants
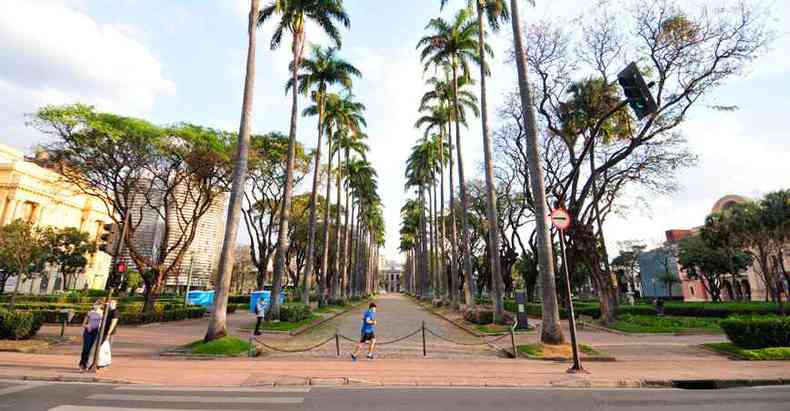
(88, 338)
(258, 326)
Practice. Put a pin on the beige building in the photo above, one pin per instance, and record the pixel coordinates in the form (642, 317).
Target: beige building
(40, 196)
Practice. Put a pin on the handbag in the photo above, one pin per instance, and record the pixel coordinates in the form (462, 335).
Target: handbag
(105, 355)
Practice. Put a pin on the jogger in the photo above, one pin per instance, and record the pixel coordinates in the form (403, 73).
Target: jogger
(368, 332)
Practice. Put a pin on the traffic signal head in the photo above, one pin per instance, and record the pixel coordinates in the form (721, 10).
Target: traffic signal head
(637, 92)
(106, 238)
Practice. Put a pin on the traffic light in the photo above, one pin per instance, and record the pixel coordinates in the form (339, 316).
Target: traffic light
(637, 91)
(106, 238)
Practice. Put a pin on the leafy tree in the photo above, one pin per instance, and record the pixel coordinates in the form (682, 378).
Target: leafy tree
(68, 250)
(23, 250)
(133, 281)
(136, 168)
(293, 15)
(709, 263)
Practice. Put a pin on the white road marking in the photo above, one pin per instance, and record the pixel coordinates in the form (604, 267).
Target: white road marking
(84, 408)
(201, 399)
(20, 388)
(262, 390)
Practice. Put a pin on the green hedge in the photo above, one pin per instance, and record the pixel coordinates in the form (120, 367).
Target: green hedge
(239, 299)
(18, 325)
(758, 332)
(677, 309)
(164, 316)
(294, 312)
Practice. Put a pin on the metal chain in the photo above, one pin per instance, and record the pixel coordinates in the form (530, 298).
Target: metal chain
(437, 335)
(295, 350)
(399, 339)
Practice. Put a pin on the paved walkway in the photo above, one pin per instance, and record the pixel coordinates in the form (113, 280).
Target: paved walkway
(397, 316)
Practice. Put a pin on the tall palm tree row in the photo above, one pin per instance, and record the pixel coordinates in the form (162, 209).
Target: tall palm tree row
(320, 71)
(292, 16)
(217, 327)
(455, 44)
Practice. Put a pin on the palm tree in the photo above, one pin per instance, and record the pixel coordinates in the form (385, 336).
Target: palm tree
(321, 70)
(420, 174)
(495, 12)
(551, 332)
(217, 327)
(293, 15)
(344, 115)
(456, 44)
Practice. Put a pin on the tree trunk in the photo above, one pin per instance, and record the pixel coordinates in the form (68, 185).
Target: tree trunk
(442, 232)
(469, 298)
(322, 285)
(424, 246)
(491, 206)
(346, 237)
(551, 333)
(285, 211)
(338, 252)
(432, 241)
(217, 327)
(308, 271)
(453, 233)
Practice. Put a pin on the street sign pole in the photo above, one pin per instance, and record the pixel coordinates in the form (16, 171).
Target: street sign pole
(562, 220)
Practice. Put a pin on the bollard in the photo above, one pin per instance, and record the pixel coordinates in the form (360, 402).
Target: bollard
(513, 341)
(424, 353)
(337, 342)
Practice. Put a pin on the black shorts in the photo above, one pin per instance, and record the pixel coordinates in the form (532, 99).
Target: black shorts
(367, 337)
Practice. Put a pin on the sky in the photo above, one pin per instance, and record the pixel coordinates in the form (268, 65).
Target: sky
(183, 61)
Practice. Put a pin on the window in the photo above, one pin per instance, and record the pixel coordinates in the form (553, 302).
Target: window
(691, 290)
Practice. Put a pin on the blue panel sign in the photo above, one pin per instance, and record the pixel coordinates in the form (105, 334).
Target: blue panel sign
(201, 298)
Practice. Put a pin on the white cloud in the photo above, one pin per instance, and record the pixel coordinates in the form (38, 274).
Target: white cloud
(55, 54)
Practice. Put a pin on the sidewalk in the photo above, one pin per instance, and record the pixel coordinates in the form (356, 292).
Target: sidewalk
(641, 360)
(411, 372)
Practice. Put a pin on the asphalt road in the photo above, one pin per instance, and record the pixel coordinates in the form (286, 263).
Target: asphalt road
(39, 396)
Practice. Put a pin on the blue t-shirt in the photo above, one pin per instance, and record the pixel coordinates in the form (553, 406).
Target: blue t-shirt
(368, 328)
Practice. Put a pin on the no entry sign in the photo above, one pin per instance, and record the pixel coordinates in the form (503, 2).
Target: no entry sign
(561, 219)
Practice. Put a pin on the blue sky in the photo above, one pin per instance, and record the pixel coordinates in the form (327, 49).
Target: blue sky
(183, 60)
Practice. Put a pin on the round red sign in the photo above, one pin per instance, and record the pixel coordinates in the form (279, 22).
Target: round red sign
(561, 218)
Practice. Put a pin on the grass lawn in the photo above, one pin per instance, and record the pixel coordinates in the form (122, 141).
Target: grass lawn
(772, 353)
(226, 346)
(284, 325)
(653, 324)
(538, 350)
(490, 328)
(330, 309)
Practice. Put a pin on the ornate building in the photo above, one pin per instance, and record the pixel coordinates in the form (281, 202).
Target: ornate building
(40, 196)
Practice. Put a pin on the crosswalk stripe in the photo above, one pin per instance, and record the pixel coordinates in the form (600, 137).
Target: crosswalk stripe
(201, 399)
(19, 388)
(262, 390)
(84, 408)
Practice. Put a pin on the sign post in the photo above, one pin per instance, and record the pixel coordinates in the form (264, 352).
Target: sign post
(561, 219)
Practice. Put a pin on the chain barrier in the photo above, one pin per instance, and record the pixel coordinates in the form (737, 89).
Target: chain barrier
(285, 350)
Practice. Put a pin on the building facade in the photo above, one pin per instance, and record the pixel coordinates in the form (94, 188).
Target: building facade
(41, 196)
(391, 273)
(201, 259)
(746, 286)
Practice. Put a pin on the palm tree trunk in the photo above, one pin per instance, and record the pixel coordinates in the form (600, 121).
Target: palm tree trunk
(431, 240)
(217, 327)
(469, 298)
(352, 258)
(336, 263)
(308, 270)
(491, 207)
(453, 232)
(424, 245)
(322, 285)
(442, 232)
(551, 332)
(346, 237)
(285, 212)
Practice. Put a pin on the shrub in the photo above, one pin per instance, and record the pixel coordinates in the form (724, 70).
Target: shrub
(294, 312)
(758, 332)
(479, 316)
(18, 325)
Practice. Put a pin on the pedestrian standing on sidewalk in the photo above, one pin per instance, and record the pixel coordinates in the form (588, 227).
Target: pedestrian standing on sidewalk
(105, 349)
(90, 330)
(260, 312)
(368, 332)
